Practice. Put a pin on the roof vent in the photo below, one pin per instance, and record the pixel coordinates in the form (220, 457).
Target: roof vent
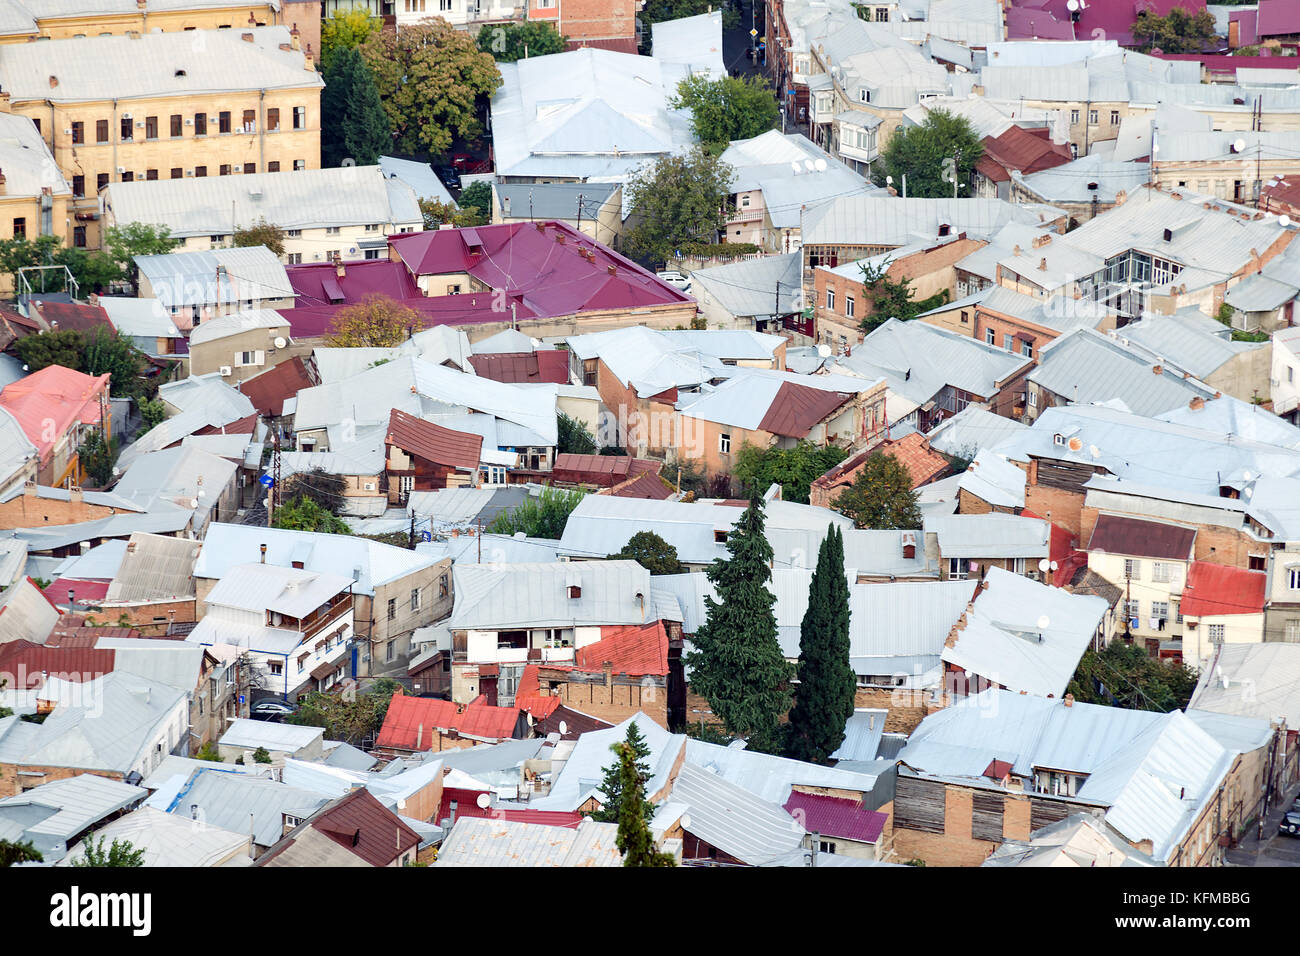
(1158, 369)
(54, 80)
(1169, 235)
(180, 73)
(246, 37)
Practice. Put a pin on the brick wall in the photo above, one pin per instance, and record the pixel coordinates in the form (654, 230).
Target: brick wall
(616, 702)
(1215, 544)
(152, 618)
(11, 782)
(1059, 506)
(597, 19)
(32, 511)
(906, 708)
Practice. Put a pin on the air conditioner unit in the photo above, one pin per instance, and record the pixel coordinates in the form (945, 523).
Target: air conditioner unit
(67, 132)
(126, 116)
(139, 125)
(189, 172)
(225, 371)
(370, 486)
(189, 121)
(121, 170)
(238, 168)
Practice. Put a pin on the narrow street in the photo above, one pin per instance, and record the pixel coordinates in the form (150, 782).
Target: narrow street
(1275, 849)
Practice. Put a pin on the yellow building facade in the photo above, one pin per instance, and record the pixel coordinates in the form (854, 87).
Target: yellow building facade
(68, 20)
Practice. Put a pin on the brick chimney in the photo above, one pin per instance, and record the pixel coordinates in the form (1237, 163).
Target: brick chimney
(295, 40)
(74, 495)
(309, 59)
(1158, 369)
(609, 674)
(246, 37)
(1121, 197)
(339, 269)
(1042, 265)
(1043, 240)
(1196, 404)
(1069, 700)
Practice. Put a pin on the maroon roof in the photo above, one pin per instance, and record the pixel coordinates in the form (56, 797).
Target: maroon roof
(1112, 19)
(648, 486)
(73, 315)
(998, 769)
(797, 408)
(575, 723)
(545, 365)
(240, 426)
(1020, 150)
(1278, 18)
(269, 390)
(360, 823)
(1143, 539)
(603, 470)
(25, 665)
(835, 816)
(617, 44)
(442, 446)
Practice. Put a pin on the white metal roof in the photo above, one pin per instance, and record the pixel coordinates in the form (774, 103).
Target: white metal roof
(266, 587)
(287, 738)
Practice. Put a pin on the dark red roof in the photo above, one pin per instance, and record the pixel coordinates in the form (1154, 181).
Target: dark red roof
(617, 44)
(835, 816)
(269, 390)
(87, 592)
(797, 408)
(25, 665)
(1278, 18)
(1216, 589)
(412, 722)
(72, 315)
(603, 470)
(360, 823)
(1111, 19)
(1143, 539)
(467, 806)
(998, 769)
(650, 486)
(545, 365)
(240, 426)
(576, 723)
(442, 446)
(1228, 63)
(1021, 150)
(632, 649)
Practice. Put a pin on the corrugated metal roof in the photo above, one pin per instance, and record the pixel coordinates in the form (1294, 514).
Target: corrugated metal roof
(154, 566)
(476, 841)
(990, 536)
(180, 279)
(537, 595)
(1252, 680)
(768, 777)
(890, 221)
(58, 811)
(172, 842)
(294, 592)
(287, 738)
(862, 734)
(236, 802)
(733, 820)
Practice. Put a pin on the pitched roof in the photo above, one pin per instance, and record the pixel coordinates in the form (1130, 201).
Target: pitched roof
(53, 395)
(27, 664)
(412, 722)
(604, 470)
(544, 365)
(1146, 539)
(442, 446)
(501, 842)
(65, 316)
(630, 649)
(795, 409)
(835, 816)
(1214, 589)
(359, 823)
(1019, 149)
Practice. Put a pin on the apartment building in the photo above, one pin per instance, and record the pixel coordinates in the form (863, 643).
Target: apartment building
(165, 106)
(27, 20)
(34, 195)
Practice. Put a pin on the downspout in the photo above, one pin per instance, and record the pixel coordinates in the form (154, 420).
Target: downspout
(261, 131)
(117, 125)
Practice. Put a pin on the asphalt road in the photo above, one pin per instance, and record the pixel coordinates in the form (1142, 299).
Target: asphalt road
(1274, 849)
(736, 41)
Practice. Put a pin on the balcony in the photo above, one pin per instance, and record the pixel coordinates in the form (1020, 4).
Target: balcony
(743, 214)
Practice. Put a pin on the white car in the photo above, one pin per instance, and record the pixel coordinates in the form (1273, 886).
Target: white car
(676, 280)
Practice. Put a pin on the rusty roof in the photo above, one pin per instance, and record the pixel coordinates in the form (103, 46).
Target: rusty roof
(1143, 539)
(269, 390)
(795, 409)
(412, 722)
(442, 446)
(25, 665)
(545, 365)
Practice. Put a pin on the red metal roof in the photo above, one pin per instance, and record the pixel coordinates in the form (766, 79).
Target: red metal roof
(1213, 589)
(360, 823)
(544, 365)
(442, 446)
(998, 769)
(1112, 19)
(240, 426)
(795, 409)
(1021, 150)
(87, 592)
(1144, 539)
(72, 315)
(467, 806)
(835, 816)
(48, 402)
(412, 722)
(269, 390)
(603, 470)
(1278, 18)
(617, 44)
(649, 486)
(632, 649)
(25, 665)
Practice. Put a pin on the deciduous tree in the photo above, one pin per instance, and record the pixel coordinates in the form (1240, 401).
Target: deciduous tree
(119, 853)
(430, 77)
(930, 155)
(508, 42)
(123, 243)
(377, 321)
(304, 514)
(677, 201)
(881, 496)
(824, 696)
(1125, 675)
(574, 439)
(727, 108)
(345, 30)
(260, 233)
(651, 552)
(542, 517)
(794, 469)
(1178, 32)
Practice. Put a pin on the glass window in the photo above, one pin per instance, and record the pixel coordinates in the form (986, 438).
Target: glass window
(200, 124)
(1133, 569)
(151, 127)
(724, 443)
(78, 133)
(223, 121)
(127, 130)
(177, 124)
(101, 131)
(830, 298)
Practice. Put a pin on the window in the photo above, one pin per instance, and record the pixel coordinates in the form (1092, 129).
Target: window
(1134, 610)
(724, 443)
(1258, 562)
(1114, 117)
(443, 586)
(300, 117)
(1160, 613)
(1033, 398)
(299, 164)
(372, 227)
(293, 233)
(273, 119)
(127, 130)
(250, 168)
(37, 123)
(1026, 349)
(958, 569)
(1133, 569)
(200, 172)
(250, 121)
(1092, 117)
(20, 227)
(1162, 572)
(101, 181)
(178, 173)
(830, 298)
(273, 167)
(965, 316)
(848, 306)
(1008, 342)
(1293, 631)
(101, 131)
(224, 169)
(332, 230)
(78, 186)
(128, 177)
(392, 609)
(151, 127)
(295, 258)
(302, 661)
(78, 133)
(882, 16)
(990, 337)
(177, 125)
(389, 650)
(276, 667)
(200, 124)
(415, 599)
(1074, 117)
(223, 121)
(151, 174)
(1216, 633)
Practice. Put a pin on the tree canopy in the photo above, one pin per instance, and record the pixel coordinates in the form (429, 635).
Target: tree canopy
(13, 852)
(676, 201)
(437, 213)
(508, 42)
(345, 30)
(574, 439)
(377, 321)
(1179, 32)
(97, 456)
(634, 839)
(727, 108)
(890, 298)
(930, 154)
(1125, 675)
(355, 129)
(430, 77)
(736, 663)
(260, 233)
(92, 271)
(827, 688)
(100, 351)
(612, 784)
(304, 514)
(542, 517)
(477, 196)
(794, 469)
(651, 552)
(881, 496)
(349, 717)
(119, 853)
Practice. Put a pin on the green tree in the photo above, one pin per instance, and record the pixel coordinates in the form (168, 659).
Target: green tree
(514, 41)
(881, 496)
(634, 840)
(437, 213)
(1181, 31)
(651, 552)
(11, 853)
(574, 438)
(887, 298)
(542, 517)
(120, 853)
(612, 785)
(824, 696)
(152, 412)
(929, 154)
(1125, 675)
(50, 348)
(676, 201)
(430, 77)
(304, 514)
(123, 243)
(377, 321)
(355, 129)
(261, 755)
(794, 469)
(727, 108)
(351, 718)
(208, 752)
(260, 233)
(345, 30)
(107, 351)
(320, 486)
(737, 663)
(477, 196)
(97, 457)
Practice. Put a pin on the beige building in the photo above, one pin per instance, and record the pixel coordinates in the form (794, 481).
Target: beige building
(67, 19)
(594, 209)
(34, 196)
(240, 345)
(165, 106)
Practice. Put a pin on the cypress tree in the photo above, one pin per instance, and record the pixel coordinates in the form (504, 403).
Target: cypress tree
(356, 126)
(736, 663)
(612, 786)
(827, 686)
(634, 840)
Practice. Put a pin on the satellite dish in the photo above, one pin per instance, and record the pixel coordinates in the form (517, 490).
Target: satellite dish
(194, 502)
(1239, 145)
(889, 181)
(1282, 221)
(564, 727)
(1094, 451)
(483, 801)
(1054, 565)
(1072, 5)
(1044, 564)
(281, 341)
(821, 165)
(809, 165)
(794, 165)
(686, 821)
(824, 350)
(1044, 622)
(1249, 492)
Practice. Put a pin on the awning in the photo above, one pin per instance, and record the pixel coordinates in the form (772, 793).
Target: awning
(324, 670)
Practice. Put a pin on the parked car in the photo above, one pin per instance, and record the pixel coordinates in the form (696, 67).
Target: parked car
(1290, 825)
(676, 280)
(271, 710)
(450, 178)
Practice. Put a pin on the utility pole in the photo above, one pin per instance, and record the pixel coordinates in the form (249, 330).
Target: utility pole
(579, 212)
(776, 313)
(1128, 590)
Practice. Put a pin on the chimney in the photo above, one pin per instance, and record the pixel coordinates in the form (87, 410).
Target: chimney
(559, 237)
(1042, 265)
(29, 489)
(909, 544)
(1069, 700)
(613, 270)
(609, 674)
(141, 4)
(246, 37)
(74, 495)
(4, 102)
(309, 61)
(1196, 404)
(1158, 369)
(262, 548)
(294, 38)
(1121, 197)
(1043, 240)
(339, 269)
(506, 204)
